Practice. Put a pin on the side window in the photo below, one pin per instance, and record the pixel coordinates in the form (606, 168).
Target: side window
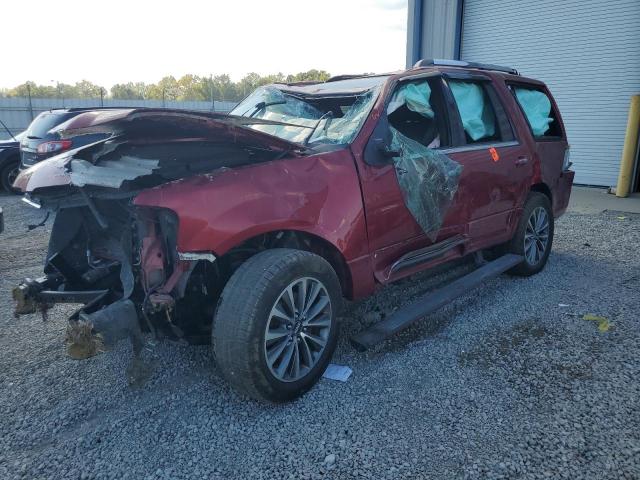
(416, 110)
(539, 112)
(481, 113)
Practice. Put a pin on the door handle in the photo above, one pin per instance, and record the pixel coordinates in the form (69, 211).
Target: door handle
(522, 161)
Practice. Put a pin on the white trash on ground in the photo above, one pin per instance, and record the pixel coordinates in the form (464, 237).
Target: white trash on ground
(337, 372)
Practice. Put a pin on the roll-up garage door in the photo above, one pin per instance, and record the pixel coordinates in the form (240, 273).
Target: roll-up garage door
(586, 51)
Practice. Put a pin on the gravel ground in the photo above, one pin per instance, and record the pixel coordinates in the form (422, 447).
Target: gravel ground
(503, 383)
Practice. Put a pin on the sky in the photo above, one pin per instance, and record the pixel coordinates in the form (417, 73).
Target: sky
(118, 41)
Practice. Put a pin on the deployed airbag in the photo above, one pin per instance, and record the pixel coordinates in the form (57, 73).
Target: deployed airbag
(537, 108)
(476, 114)
(415, 96)
(428, 180)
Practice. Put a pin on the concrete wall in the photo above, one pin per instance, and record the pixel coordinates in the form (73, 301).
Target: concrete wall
(17, 112)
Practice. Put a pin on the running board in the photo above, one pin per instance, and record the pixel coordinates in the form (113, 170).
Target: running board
(432, 301)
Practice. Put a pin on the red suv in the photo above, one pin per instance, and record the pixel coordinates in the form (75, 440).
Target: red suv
(247, 230)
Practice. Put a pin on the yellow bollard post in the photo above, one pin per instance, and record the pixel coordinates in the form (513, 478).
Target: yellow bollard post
(630, 148)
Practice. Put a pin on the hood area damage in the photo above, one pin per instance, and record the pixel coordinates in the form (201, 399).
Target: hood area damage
(118, 259)
(148, 147)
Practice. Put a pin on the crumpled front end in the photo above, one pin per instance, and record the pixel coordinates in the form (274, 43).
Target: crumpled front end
(118, 259)
(121, 262)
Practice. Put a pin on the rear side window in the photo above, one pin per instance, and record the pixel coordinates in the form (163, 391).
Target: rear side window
(45, 122)
(539, 112)
(481, 113)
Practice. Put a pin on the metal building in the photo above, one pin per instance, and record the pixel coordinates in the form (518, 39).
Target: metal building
(586, 51)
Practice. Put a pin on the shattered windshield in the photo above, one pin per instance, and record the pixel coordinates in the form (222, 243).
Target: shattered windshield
(310, 119)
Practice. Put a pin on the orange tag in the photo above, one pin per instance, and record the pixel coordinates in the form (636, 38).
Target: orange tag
(494, 154)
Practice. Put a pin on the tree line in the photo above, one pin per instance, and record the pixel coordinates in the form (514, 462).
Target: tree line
(187, 87)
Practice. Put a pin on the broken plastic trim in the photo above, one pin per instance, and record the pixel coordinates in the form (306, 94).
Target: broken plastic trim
(195, 256)
(30, 202)
(111, 173)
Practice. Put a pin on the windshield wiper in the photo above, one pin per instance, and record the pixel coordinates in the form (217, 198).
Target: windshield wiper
(262, 105)
(327, 115)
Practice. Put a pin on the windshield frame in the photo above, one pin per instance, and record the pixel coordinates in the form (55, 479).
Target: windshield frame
(314, 126)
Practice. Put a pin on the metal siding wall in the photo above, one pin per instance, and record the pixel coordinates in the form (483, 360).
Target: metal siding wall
(439, 27)
(14, 111)
(438, 21)
(586, 51)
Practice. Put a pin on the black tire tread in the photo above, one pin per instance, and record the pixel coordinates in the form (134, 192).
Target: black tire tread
(516, 245)
(4, 184)
(233, 322)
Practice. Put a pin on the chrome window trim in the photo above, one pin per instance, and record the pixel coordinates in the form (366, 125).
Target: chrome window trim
(482, 146)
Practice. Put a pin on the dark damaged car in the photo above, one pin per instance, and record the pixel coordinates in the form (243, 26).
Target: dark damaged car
(9, 159)
(247, 230)
(41, 140)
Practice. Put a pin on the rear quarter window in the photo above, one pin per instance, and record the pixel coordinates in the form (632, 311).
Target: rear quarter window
(45, 122)
(538, 110)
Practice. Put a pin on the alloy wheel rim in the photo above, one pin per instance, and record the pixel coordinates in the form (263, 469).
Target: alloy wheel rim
(298, 329)
(536, 236)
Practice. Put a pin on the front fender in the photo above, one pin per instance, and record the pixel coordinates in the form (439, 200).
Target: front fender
(318, 194)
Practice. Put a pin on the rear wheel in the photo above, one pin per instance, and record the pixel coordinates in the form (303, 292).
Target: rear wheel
(8, 174)
(276, 325)
(534, 237)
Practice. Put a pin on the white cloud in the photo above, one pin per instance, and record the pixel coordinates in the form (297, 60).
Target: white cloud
(127, 40)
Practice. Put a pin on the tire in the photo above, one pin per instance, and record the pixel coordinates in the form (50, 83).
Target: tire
(537, 207)
(252, 305)
(7, 174)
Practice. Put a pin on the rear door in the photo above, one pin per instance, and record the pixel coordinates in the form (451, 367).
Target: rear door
(550, 142)
(497, 168)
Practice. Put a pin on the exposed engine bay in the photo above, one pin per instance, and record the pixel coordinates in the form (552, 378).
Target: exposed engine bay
(119, 259)
(123, 258)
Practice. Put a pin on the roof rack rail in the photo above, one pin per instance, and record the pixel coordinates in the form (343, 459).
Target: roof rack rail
(459, 63)
(337, 78)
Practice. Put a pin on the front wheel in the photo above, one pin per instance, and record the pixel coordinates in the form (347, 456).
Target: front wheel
(8, 174)
(534, 236)
(276, 325)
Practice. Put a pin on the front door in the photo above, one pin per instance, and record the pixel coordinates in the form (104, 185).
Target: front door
(413, 125)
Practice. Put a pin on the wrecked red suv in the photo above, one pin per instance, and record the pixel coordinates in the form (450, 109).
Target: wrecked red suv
(247, 230)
